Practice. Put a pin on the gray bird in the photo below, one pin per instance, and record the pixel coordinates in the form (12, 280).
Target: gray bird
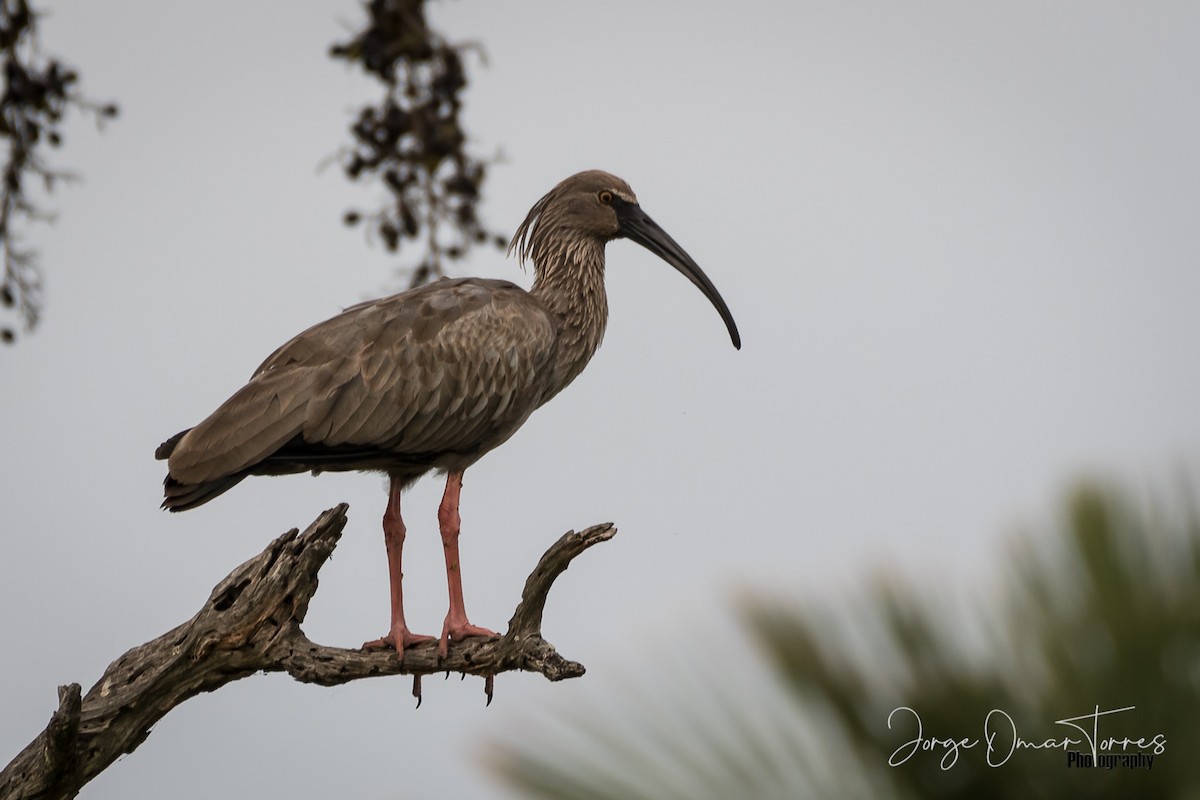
(431, 378)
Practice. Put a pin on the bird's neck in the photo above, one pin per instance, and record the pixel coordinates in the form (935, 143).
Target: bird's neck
(571, 286)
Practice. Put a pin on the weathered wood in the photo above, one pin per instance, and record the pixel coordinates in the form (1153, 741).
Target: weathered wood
(251, 623)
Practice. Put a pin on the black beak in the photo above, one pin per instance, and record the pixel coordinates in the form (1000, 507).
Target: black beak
(635, 224)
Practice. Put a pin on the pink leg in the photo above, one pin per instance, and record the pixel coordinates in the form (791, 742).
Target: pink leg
(457, 625)
(398, 636)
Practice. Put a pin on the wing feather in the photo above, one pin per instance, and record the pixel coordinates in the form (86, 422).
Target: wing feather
(453, 367)
(247, 428)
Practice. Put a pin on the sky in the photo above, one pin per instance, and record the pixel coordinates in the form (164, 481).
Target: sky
(959, 240)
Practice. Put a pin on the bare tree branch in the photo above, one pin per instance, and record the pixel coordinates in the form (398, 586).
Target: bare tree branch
(251, 623)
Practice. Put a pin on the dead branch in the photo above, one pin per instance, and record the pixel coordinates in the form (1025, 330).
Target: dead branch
(251, 623)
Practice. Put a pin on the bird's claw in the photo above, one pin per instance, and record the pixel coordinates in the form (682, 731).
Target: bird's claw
(457, 631)
(403, 636)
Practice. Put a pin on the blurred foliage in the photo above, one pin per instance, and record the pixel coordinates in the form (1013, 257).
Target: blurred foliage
(1104, 612)
(412, 141)
(36, 95)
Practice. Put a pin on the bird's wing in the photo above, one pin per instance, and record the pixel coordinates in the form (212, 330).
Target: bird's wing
(445, 368)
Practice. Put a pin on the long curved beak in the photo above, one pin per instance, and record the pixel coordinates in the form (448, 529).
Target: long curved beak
(635, 224)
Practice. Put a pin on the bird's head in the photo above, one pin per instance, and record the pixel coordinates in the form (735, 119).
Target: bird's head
(591, 208)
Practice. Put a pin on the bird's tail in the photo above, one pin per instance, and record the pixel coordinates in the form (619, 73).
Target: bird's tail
(183, 496)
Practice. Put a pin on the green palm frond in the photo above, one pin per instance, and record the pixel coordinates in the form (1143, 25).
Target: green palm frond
(1103, 613)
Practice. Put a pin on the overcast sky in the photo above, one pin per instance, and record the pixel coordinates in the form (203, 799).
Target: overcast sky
(960, 241)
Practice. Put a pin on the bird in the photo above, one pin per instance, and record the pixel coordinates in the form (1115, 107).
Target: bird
(430, 379)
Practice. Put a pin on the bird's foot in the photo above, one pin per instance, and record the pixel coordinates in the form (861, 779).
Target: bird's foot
(459, 629)
(399, 639)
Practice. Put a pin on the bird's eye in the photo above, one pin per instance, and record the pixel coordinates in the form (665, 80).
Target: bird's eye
(606, 197)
